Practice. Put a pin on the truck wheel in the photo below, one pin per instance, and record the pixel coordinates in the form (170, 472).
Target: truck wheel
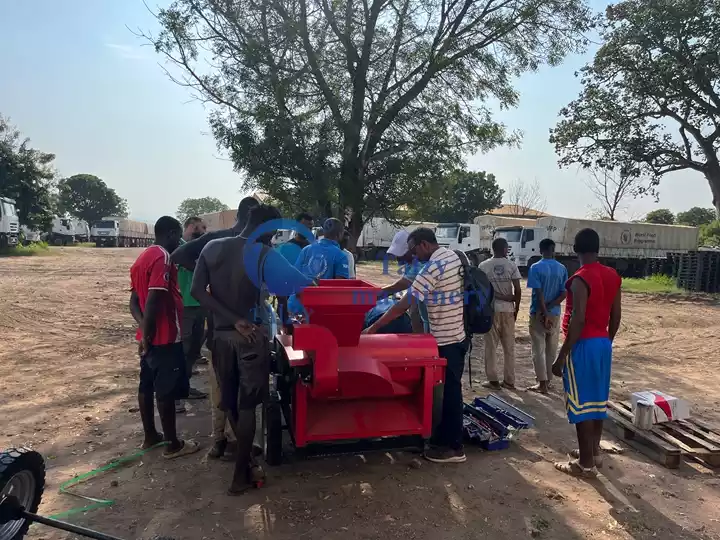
(22, 475)
(272, 430)
(532, 261)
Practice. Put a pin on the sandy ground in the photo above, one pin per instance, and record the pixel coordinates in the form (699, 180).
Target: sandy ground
(69, 377)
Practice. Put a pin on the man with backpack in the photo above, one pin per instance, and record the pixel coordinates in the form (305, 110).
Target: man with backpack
(441, 286)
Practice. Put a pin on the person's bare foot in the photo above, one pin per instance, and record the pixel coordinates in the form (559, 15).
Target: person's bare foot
(152, 440)
(539, 388)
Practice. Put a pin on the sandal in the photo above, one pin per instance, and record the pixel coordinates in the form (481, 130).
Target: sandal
(576, 454)
(188, 447)
(573, 468)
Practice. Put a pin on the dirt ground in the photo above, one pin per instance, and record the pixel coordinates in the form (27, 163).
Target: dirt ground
(68, 384)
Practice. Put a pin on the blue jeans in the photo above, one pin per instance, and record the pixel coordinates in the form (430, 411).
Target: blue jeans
(450, 431)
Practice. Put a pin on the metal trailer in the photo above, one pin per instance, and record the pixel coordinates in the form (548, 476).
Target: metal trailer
(627, 247)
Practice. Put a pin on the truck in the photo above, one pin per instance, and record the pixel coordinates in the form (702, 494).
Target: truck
(9, 223)
(81, 230)
(30, 236)
(627, 247)
(377, 234)
(475, 239)
(120, 232)
(62, 232)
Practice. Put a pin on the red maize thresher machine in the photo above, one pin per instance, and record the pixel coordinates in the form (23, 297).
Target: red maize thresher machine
(335, 390)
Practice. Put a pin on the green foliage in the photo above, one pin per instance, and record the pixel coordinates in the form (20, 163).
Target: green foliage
(661, 216)
(710, 234)
(696, 216)
(650, 101)
(26, 175)
(197, 207)
(87, 197)
(347, 107)
(36, 248)
(657, 283)
(461, 196)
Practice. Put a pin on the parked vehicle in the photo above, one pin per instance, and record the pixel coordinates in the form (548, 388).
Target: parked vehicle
(9, 223)
(82, 230)
(30, 236)
(377, 235)
(120, 232)
(62, 232)
(627, 247)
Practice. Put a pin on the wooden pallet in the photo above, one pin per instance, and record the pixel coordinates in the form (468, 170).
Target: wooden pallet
(643, 441)
(691, 438)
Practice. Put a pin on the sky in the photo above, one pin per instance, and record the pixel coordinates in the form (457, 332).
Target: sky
(80, 84)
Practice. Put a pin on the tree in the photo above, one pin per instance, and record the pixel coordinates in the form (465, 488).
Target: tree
(710, 234)
(526, 199)
(696, 216)
(197, 207)
(610, 189)
(661, 216)
(464, 195)
(26, 175)
(650, 101)
(347, 100)
(87, 197)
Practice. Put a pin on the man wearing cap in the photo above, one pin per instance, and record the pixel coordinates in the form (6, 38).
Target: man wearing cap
(410, 269)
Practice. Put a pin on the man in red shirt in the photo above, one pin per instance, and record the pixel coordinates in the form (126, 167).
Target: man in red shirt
(592, 318)
(156, 305)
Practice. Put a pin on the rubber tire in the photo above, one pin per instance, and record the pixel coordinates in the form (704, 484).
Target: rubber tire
(272, 430)
(15, 460)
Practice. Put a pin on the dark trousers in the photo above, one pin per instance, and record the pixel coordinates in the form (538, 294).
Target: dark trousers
(450, 431)
(193, 333)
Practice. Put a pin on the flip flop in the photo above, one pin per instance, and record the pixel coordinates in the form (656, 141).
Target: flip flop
(573, 468)
(188, 447)
(159, 441)
(491, 384)
(576, 454)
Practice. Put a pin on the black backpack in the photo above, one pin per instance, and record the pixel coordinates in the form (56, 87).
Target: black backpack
(478, 298)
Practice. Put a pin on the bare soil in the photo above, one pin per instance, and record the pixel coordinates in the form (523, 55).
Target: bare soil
(68, 385)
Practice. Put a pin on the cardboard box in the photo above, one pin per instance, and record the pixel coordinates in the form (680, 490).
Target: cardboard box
(666, 408)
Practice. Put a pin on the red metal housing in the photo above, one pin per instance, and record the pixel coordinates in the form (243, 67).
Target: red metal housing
(361, 386)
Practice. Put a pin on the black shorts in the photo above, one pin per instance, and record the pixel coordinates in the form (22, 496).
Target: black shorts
(163, 371)
(243, 372)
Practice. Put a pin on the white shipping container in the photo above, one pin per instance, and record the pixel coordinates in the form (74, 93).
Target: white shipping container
(621, 239)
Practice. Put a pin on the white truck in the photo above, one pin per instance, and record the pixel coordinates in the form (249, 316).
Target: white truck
(475, 239)
(9, 223)
(377, 235)
(627, 247)
(82, 230)
(120, 232)
(62, 232)
(30, 236)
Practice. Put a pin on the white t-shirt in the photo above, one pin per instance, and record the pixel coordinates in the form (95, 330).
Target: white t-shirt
(351, 263)
(501, 272)
(440, 285)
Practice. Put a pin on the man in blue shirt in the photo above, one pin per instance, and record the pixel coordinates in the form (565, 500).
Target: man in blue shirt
(292, 248)
(547, 279)
(322, 259)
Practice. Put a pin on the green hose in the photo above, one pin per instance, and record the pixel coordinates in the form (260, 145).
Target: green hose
(97, 503)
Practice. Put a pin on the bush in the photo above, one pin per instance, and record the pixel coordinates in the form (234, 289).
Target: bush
(657, 283)
(38, 248)
(710, 234)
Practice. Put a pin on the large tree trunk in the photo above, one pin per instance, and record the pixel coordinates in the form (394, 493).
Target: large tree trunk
(713, 177)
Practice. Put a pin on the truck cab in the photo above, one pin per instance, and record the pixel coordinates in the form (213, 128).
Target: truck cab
(62, 232)
(524, 244)
(461, 236)
(9, 223)
(105, 232)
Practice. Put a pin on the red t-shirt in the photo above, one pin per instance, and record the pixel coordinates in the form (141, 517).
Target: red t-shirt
(603, 284)
(153, 271)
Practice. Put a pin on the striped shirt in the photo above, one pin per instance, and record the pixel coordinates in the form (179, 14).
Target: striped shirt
(440, 285)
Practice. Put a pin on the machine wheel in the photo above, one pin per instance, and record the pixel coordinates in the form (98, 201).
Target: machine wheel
(272, 430)
(22, 474)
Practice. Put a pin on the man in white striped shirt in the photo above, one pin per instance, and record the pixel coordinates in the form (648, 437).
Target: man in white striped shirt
(440, 285)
